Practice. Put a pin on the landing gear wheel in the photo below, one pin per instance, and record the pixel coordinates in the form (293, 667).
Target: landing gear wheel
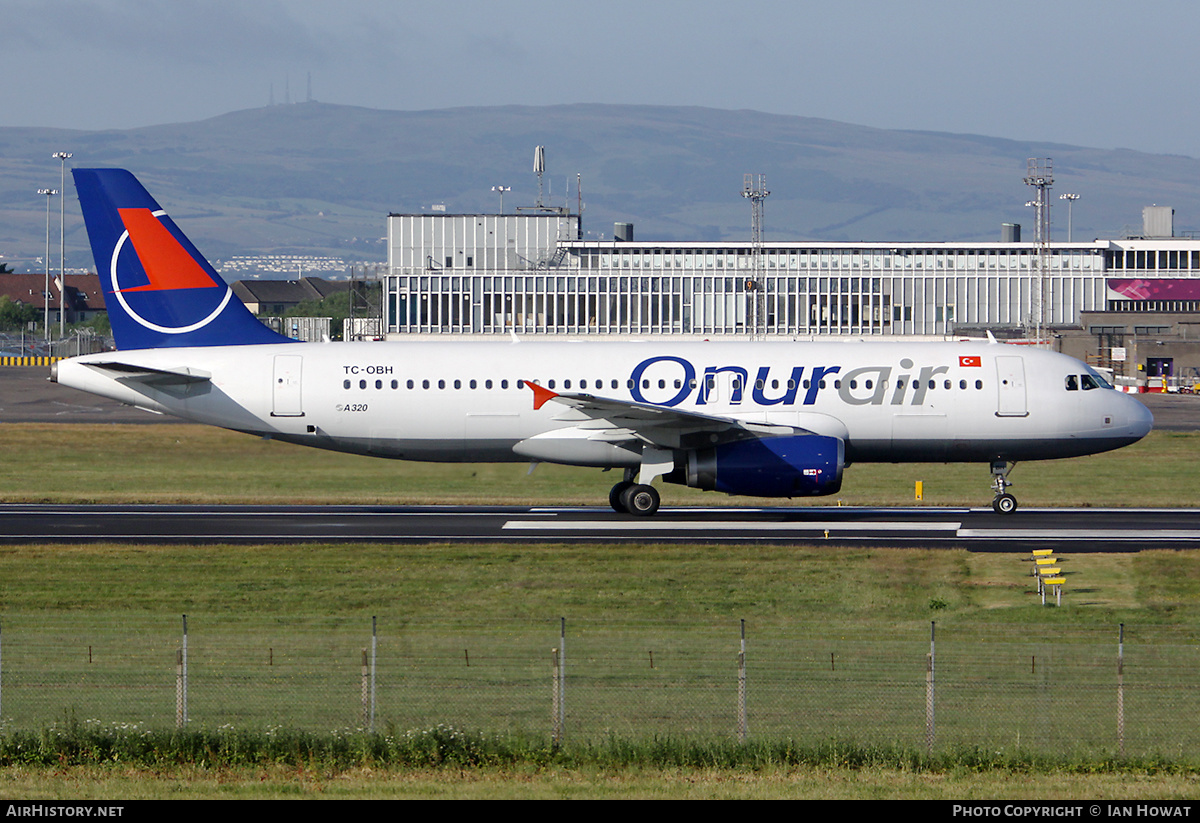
(640, 500)
(615, 496)
(1005, 504)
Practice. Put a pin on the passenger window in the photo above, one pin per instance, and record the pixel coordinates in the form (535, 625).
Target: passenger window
(979, 384)
(1072, 383)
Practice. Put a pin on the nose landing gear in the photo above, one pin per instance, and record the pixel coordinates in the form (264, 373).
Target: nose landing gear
(1003, 503)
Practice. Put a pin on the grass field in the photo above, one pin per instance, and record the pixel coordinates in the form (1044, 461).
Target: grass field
(74, 617)
(849, 624)
(185, 463)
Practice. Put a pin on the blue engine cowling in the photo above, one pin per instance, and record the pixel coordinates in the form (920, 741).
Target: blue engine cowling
(801, 466)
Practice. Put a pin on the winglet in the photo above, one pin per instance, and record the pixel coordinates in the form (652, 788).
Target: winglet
(991, 337)
(540, 394)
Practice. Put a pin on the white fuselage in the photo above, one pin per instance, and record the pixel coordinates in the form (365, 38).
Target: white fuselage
(461, 401)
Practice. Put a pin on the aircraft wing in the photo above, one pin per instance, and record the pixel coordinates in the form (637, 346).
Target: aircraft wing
(615, 420)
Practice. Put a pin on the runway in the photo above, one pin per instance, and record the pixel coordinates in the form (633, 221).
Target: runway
(975, 529)
(26, 396)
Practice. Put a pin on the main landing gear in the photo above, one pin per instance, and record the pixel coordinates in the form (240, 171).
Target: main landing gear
(1004, 503)
(628, 497)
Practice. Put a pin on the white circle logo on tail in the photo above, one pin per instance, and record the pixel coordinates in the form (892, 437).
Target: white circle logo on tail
(117, 292)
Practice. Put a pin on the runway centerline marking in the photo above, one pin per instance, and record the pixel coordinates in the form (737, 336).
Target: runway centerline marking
(734, 525)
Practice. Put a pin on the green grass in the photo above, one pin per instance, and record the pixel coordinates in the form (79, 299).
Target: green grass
(837, 641)
(198, 464)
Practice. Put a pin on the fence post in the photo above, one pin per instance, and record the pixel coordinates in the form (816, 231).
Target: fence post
(556, 718)
(1121, 690)
(365, 691)
(374, 659)
(741, 722)
(181, 713)
(930, 727)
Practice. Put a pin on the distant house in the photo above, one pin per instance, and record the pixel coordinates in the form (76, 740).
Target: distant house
(84, 296)
(275, 297)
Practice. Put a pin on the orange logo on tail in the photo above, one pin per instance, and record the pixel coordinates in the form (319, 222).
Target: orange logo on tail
(167, 264)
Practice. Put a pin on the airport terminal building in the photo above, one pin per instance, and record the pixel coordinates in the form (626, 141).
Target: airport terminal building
(530, 274)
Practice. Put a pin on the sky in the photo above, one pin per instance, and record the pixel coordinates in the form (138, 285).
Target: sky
(1098, 73)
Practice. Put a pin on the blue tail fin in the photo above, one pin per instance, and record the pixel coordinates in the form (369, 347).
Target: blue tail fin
(160, 292)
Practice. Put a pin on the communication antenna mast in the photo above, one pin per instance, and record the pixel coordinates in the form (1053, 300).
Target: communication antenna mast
(1039, 174)
(539, 168)
(754, 189)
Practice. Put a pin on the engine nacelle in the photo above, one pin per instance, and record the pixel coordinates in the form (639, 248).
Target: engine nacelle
(799, 466)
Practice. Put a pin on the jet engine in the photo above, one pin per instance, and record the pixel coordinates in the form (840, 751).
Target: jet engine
(806, 465)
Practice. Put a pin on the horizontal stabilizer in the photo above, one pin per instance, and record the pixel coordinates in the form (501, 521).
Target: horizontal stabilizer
(180, 382)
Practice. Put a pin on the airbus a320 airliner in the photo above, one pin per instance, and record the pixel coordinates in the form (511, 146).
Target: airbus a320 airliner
(769, 419)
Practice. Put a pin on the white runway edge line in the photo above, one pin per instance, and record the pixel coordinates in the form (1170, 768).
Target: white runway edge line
(1083, 534)
(730, 525)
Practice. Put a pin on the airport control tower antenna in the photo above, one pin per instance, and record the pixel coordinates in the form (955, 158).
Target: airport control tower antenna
(754, 189)
(1039, 173)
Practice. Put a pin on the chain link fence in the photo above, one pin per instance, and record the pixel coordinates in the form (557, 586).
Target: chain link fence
(28, 344)
(1077, 690)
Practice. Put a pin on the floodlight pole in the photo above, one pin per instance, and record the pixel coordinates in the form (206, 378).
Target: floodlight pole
(62, 157)
(501, 189)
(46, 294)
(1070, 198)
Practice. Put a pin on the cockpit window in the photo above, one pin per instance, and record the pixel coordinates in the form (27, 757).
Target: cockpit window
(1091, 381)
(1072, 382)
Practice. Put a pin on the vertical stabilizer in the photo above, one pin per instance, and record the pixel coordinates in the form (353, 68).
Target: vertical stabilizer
(159, 290)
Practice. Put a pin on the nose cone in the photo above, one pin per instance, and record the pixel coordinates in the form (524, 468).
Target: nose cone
(1132, 420)
(1141, 421)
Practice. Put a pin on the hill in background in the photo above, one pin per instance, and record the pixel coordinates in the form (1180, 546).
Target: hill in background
(320, 179)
